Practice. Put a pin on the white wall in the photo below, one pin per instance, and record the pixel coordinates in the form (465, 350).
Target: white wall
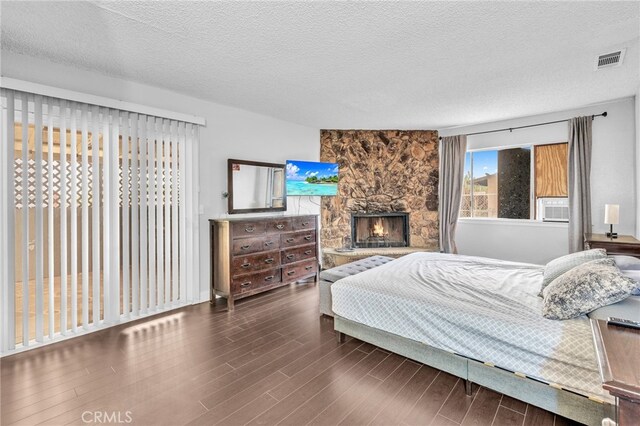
(613, 171)
(638, 162)
(229, 133)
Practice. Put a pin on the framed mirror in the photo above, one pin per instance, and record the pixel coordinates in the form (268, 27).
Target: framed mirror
(256, 187)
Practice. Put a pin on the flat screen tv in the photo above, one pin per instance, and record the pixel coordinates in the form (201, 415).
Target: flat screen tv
(312, 178)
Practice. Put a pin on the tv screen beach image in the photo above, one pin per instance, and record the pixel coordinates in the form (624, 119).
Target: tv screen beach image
(312, 178)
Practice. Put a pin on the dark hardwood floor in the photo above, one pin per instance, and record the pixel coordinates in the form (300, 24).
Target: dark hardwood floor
(271, 361)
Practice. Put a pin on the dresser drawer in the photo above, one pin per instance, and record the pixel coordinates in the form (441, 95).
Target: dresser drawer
(279, 225)
(299, 253)
(251, 282)
(304, 222)
(244, 246)
(247, 228)
(295, 271)
(297, 239)
(255, 262)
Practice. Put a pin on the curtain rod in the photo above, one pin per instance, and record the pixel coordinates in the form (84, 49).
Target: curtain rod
(604, 114)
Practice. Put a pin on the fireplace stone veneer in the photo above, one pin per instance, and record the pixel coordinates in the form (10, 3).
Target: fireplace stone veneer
(382, 171)
(374, 230)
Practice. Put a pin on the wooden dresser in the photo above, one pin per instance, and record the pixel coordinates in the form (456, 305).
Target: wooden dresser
(252, 255)
(624, 244)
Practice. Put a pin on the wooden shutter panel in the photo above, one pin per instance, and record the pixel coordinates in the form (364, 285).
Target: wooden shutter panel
(551, 170)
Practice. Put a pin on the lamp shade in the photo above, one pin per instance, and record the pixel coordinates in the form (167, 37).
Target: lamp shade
(611, 214)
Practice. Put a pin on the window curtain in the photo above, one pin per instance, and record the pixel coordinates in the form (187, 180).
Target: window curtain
(452, 152)
(579, 166)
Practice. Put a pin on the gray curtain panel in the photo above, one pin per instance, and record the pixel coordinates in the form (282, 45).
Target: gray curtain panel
(452, 152)
(579, 181)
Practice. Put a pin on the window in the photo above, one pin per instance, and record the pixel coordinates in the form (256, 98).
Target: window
(502, 183)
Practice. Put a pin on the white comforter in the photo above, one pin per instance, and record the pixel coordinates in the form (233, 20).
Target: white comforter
(480, 308)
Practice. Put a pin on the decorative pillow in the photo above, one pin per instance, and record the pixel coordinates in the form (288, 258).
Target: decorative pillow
(584, 288)
(559, 266)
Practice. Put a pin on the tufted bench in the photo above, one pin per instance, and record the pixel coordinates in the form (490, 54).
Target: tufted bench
(329, 276)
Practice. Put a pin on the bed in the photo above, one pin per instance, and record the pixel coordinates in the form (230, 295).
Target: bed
(479, 319)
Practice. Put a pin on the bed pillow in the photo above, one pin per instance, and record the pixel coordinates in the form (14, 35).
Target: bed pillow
(626, 262)
(559, 266)
(584, 288)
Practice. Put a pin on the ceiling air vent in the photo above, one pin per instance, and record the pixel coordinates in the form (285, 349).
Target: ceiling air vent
(609, 60)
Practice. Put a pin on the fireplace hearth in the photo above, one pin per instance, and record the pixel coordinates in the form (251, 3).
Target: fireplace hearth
(371, 230)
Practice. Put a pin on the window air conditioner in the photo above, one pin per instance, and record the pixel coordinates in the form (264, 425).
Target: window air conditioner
(553, 209)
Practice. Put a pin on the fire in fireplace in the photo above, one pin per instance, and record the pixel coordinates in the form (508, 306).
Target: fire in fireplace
(380, 229)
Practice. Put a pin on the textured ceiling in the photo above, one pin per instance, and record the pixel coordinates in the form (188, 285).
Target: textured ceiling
(347, 64)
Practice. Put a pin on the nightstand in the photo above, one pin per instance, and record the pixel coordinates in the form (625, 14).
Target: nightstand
(624, 244)
(618, 353)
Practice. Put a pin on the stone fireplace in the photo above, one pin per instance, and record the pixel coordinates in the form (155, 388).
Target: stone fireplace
(386, 173)
(375, 230)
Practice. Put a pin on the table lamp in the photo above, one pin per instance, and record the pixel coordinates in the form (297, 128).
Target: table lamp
(611, 217)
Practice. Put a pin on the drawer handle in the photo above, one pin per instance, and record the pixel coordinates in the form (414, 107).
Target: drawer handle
(305, 223)
(247, 284)
(291, 272)
(270, 260)
(268, 243)
(280, 226)
(308, 268)
(290, 240)
(245, 265)
(291, 256)
(307, 252)
(249, 229)
(269, 278)
(308, 237)
(245, 247)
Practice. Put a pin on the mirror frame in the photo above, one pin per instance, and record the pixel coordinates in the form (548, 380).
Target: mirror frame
(231, 210)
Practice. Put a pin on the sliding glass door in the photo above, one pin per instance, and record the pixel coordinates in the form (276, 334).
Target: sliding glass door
(96, 217)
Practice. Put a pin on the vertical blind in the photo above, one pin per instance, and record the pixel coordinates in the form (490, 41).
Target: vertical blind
(98, 217)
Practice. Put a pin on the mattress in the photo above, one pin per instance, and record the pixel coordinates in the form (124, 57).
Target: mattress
(484, 309)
